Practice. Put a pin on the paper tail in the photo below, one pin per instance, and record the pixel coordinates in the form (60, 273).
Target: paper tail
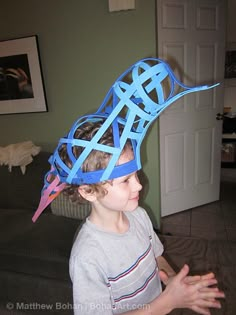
(49, 193)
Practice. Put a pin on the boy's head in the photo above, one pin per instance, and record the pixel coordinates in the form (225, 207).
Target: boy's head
(88, 155)
(96, 160)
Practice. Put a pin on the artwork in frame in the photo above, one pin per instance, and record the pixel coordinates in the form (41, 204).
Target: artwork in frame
(230, 64)
(21, 82)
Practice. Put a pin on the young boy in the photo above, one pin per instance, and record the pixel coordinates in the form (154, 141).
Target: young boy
(116, 265)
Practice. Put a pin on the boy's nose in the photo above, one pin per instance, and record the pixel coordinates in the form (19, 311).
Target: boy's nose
(138, 185)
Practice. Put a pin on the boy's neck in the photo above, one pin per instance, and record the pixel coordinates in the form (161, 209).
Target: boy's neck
(110, 221)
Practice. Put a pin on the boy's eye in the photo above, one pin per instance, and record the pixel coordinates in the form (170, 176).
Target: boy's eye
(125, 180)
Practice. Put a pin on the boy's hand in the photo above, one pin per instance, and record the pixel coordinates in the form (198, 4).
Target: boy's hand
(165, 278)
(194, 292)
(194, 279)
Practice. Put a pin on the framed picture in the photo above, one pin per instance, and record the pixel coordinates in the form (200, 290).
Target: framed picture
(21, 83)
(230, 64)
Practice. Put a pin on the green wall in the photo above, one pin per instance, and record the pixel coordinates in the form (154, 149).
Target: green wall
(83, 49)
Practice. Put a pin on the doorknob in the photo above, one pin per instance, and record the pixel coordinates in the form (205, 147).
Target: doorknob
(219, 116)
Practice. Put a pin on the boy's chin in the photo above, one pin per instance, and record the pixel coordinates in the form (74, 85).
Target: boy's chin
(132, 208)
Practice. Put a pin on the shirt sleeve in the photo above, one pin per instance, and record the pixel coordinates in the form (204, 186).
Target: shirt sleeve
(90, 290)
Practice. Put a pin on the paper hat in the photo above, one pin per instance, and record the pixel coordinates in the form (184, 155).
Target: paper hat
(134, 101)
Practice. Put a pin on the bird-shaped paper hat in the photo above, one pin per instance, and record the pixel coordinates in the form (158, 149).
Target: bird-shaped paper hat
(134, 101)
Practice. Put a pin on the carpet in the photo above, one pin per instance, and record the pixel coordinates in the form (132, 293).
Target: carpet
(204, 256)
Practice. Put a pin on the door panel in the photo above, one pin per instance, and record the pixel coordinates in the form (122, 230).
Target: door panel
(191, 38)
(174, 146)
(204, 157)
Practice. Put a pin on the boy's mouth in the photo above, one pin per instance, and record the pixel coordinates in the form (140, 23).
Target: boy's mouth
(135, 198)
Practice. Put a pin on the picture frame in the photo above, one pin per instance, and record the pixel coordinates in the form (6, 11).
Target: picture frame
(21, 81)
(230, 64)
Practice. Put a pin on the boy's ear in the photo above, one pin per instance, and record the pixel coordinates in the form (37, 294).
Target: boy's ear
(86, 193)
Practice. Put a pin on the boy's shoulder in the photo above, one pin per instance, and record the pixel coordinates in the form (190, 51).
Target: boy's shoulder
(139, 213)
(141, 217)
(83, 240)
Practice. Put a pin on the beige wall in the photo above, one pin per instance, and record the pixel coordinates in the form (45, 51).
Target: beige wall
(83, 49)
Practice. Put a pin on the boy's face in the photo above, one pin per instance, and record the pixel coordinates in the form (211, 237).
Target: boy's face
(123, 192)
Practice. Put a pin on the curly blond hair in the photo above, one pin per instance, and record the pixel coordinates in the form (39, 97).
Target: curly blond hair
(95, 161)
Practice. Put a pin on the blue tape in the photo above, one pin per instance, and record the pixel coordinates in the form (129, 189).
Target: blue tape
(129, 103)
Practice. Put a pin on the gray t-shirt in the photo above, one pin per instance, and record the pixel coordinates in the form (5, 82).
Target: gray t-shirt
(115, 273)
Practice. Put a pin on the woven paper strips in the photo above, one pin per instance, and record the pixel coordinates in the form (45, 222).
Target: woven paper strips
(135, 100)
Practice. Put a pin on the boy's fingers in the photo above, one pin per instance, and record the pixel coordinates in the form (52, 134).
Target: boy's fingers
(205, 283)
(193, 279)
(201, 310)
(209, 275)
(211, 294)
(210, 304)
(182, 273)
(211, 289)
(163, 276)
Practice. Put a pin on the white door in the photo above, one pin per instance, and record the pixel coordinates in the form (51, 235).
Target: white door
(191, 37)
